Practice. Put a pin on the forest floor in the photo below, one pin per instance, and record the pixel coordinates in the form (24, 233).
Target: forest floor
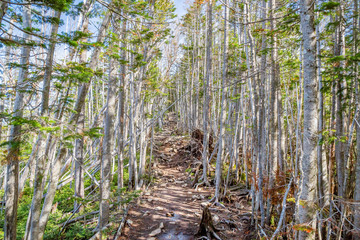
(171, 208)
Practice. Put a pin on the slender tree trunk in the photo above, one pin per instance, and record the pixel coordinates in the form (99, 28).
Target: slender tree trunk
(262, 120)
(34, 214)
(49, 66)
(32, 226)
(121, 113)
(79, 190)
(142, 143)
(307, 195)
(12, 172)
(323, 185)
(219, 160)
(339, 145)
(55, 168)
(6, 79)
(206, 106)
(322, 171)
(108, 143)
(357, 171)
(133, 176)
(274, 111)
(357, 166)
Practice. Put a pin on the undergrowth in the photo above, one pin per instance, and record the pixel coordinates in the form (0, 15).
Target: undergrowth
(63, 207)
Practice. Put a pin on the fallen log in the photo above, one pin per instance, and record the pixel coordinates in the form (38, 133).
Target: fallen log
(79, 218)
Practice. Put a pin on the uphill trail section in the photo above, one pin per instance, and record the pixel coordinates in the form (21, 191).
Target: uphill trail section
(171, 208)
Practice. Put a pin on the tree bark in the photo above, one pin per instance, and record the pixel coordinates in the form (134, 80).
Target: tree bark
(55, 168)
(108, 143)
(79, 190)
(121, 112)
(219, 160)
(357, 166)
(262, 118)
(307, 195)
(34, 214)
(206, 106)
(12, 171)
(49, 65)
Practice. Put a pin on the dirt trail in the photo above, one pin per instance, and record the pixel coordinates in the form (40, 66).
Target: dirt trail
(171, 209)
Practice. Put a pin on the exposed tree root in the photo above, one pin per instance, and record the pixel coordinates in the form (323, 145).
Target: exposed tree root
(201, 183)
(216, 202)
(196, 178)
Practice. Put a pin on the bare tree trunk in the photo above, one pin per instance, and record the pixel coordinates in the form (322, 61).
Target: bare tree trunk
(219, 160)
(6, 78)
(34, 214)
(121, 113)
(133, 176)
(12, 172)
(54, 177)
(32, 226)
(108, 143)
(321, 161)
(206, 110)
(142, 144)
(307, 192)
(357, 91)
(49, 66)
(250, 59)
(322, 170)
(339, 145)
(274, 110)
(262, 120)
(357, 171)
(79, 190)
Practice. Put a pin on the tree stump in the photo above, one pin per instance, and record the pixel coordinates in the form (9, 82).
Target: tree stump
(207, 228)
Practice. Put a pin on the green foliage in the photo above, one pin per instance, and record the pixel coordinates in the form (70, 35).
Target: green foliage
(78, 232)
(74, 71)
(23, 212)
(328, 6)
(20, 121)
(71, 136)
(58, 5)
(127, 197)
(355, 57)
(75, 39)
(65, 199)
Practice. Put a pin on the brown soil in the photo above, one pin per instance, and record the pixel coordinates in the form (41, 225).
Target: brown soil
(172, 203)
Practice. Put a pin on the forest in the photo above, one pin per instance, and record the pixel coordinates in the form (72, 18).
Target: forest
(123, 119)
